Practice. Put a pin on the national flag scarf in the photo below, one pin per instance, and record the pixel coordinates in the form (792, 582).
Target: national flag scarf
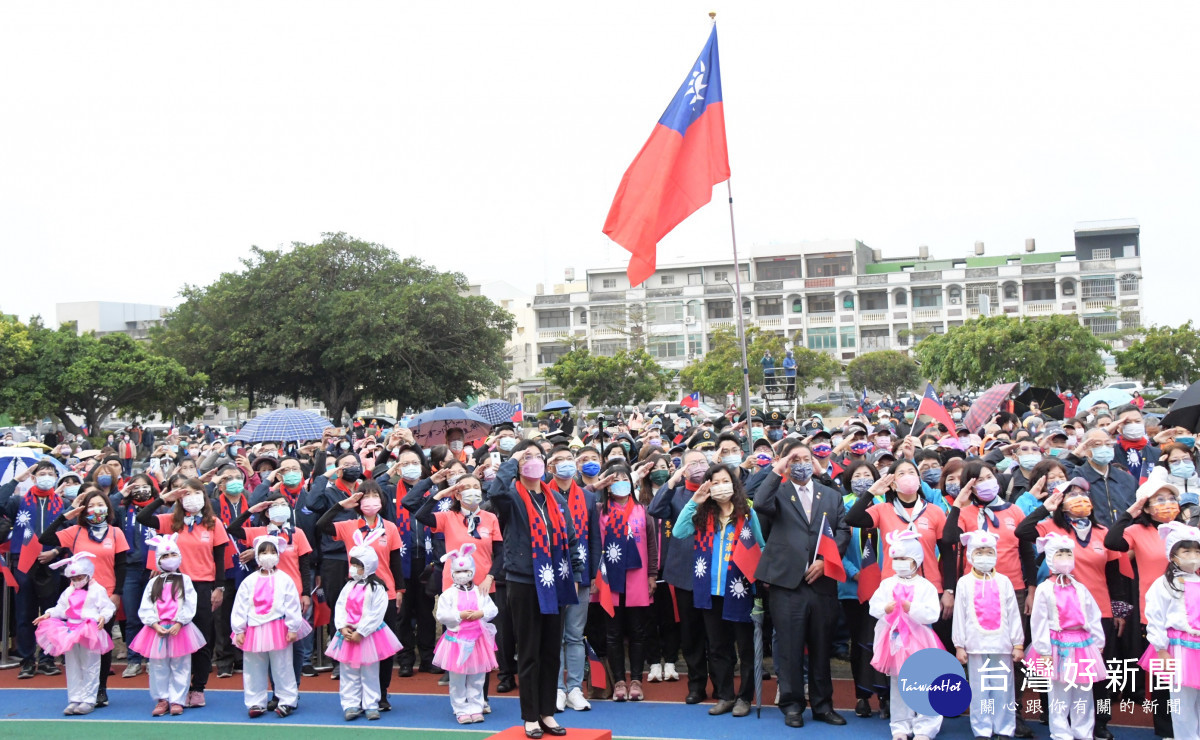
(577, 505)
(620, 548)
(404, 527)
(291, 496)
(228, 511)
(1135, 459)
(551, 562)
(738, 591)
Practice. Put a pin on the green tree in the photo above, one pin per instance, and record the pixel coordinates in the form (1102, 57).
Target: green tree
(15, 346)
(341, 321)
(1163, 355)
(67, 375)
(720, 370)
(1041, 351)
(628, 377)
(887, 370)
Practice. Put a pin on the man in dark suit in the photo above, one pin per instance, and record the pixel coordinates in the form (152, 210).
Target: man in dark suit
(803, 600)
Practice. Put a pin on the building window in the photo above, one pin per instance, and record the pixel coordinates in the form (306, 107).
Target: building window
(974, 290)
(873, 339)
(554, 319)
(666, 280)
(955, 295)
(583, 317)
(927, 297)
(1038, 290)
(608, 316)
(1068, 288)
(1103, 253)
(848, 302)
(772, 306)
(695, 278)
(901, 299)
(608, 283)
(847, 337)
(1010, 291)
(721, 276)
(797, 305)
(780, 270)
(720, 309)
(820, 303)
(1099, 289)
(668, 347)
(1100, 325)
(693, 309)
(830, 266)
(876, 301)
(608, 348)
(695, 346)
(548, 354)
(662, 313)
(1131, 320)
(745, 306)
(744, 274)
(1129, 283)
(822, 338)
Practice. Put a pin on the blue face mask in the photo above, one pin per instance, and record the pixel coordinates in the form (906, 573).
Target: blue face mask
(565, 469)
(932, 476)
(1102, 455)
(1188, 442)
(774, 434)
(676, 462)
(802, 472)
(71, 491)
(861, 485)
(590, 468)
(1057, 451)
(756, 433)
(104, 480)
(619, 488)
(1028, 461)
(1184, 469)
(952, 489)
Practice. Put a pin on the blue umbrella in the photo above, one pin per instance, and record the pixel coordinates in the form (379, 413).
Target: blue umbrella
(495, 411)
(1112, 396)
(430, 428)
(557, 406)
(284, 425)
(14, 460)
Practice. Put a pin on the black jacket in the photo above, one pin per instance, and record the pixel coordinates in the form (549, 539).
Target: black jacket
(514, 522)
(793, 540)
(677, 563)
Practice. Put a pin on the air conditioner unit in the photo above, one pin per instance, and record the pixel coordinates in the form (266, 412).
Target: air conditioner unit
(954, 301)
(689, 319)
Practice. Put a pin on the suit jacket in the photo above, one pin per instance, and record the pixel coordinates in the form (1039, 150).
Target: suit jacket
(793, 537)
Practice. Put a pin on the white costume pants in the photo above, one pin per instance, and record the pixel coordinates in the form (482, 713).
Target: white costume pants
(466, 693)
(1187, 720)
(1067, 722)
(83, 675)
(359, 687)
(255, 679)
(906, 722)
(170, 678)
(995, 719)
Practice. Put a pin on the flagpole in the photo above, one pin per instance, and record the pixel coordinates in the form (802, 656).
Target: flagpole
(819, 536)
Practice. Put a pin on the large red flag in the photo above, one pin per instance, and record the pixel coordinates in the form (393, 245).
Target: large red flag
(674, 173)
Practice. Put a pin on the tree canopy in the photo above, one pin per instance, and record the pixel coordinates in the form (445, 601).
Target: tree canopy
(340, 321)
(720, 370)
(888, 371)
(1162, 355)
(628, 377)
(985, 351)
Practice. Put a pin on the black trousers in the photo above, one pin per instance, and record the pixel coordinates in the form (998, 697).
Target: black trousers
(506, 637)
(385, 665)
(334, 572)
(225, 653)
(415, 625)
(694, 641)
(539, 639)
(106, 658)
(723, 637)
(628, 624)
(202, 658)
(867, 680)
(662, 631)
(804, 620)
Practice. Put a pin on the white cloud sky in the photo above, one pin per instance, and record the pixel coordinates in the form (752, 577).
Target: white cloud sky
(148, 144)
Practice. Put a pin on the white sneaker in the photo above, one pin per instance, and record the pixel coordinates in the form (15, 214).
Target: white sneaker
(655, 674)
(669, 672)
(576, 701)
(561, 702)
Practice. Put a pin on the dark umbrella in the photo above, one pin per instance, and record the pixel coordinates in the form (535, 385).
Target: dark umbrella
(984, 406)
(756, 614)
(557, 406)
(1167, 399)
(1185, 412)
(1048, 400)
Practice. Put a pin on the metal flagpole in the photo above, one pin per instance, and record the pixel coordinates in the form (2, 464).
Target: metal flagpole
(737, 286)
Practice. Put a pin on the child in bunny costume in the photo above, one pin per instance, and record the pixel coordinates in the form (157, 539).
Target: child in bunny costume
(467, 649)
(363, 638)
(266, 620)
(168, 637)
(75, 627)
(1173, 624)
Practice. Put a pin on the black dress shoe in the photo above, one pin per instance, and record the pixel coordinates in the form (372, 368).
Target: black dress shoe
(102, 698)
(557, 730)
(535, 733)
(723, 706)
(1102, 733)
(793, 719)
(862, 708)
(406, 671)
(506, 685)
(1022, 729)
(830, 718)
(695, 697)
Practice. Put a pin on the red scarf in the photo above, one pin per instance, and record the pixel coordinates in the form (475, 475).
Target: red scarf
(577, 505)
(227, 512)
(555, 535)
(291, 496)
(344, 487)
(1138, 445)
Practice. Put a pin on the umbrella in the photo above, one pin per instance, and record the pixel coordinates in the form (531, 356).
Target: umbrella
(1112, 396)
(756, 614)
(87, 454)
(559, 405)
(14, 460)
(495, 411)
(987, 403)
(35, 445)
(430, 428)
(1046, 399)
(284, 425)
(1186, 411)
(1167, 399)
(456, 405)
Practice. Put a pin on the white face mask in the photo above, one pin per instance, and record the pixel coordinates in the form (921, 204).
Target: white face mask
(462, 577)
(170, 563)
(984, 563)
(193, 502)
(358, 574)
(267, 561)
(279, 514)
(471, 498)
(721, 491)
(904, 568)
(1188, 563)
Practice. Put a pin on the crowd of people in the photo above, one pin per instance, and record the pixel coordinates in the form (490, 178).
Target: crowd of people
(1059, 554)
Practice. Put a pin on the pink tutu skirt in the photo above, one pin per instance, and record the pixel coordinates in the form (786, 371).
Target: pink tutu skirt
(154, 646)
(467, 655)
(379, 645)
(264, 638)
(1074, 659)
(891, 650)
(1185, 651)
(57, 636)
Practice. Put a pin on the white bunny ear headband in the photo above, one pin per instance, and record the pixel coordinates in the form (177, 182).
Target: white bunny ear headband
(279, 543)
(79, 564)
(461, 559)
(361, 541)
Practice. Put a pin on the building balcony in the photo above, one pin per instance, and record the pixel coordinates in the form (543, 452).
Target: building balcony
(550, 334)
(720, 323)
(925, 276)
(1099, 304)
(547, 300)
(875, 344)
(873, 279)
(1039, 307)
(873, 317)
(607, 331)
(820, 319)
(927, 314)
(825, 282)
(770, 322)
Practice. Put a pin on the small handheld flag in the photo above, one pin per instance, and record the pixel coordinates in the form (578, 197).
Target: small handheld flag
(691, 401)
(747, 553)
(606, 599)
(29, 554)
(599, 677)
(869, 575)
(827, 549)
(519, 414)
(933, 408)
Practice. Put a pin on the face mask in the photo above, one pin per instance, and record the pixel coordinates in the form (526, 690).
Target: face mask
(410, 472)
(1102, 455)
(625, 447)
(1184, 469)
(731, 460)
(170, 563)
(471, 498)
(507, 443)
(352, 473)
(616, 455)
(883, 469)
(461, 577)
(1004, 464)
(71, 491)
(80, 582)
(883, 443)
(345, 445)
(104, 480)
(908, 484)
(984, 563)
(279, 513)
(1164, 512)
(267, 561)
(721, 492)
(861, 448)
(357, 574)
(695, 472)
(45, 482)
(292, 478)
(659, 477)
(710, 455)
(234, 487)
(1079, 507)
(952, 489)
(957, 416)
(533, 468)
(836, 440)
(456, 446)
(910, 415)
(757, 433)
(1188, 442)
(619, 488)
(932, 476)
(1064, 567)
(861, 485)
(904, 568)
(802, 472)
(590, 468)
(1133, 432)
(774, 434)
(656, 442)
(1188, 563)
(193, 502)
(489, 474)
(1028, 461)
(370, 506)
(97, 514)
(565, 469)
(822, 451)
(1057, 452)
(986, 490)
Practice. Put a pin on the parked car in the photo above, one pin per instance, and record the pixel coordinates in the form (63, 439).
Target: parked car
(1129, 386)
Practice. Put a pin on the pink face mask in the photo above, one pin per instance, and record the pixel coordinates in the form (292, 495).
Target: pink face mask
(533, 468)
(370, 506)
(908, 484)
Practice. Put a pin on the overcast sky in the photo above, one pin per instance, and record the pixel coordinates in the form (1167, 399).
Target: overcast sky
(148, 144)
